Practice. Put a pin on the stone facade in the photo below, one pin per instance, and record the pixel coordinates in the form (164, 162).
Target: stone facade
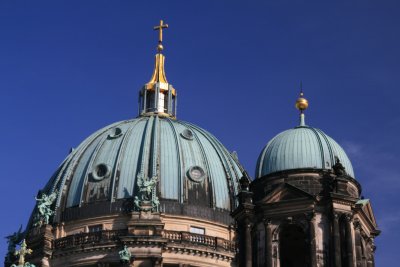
(305, 218)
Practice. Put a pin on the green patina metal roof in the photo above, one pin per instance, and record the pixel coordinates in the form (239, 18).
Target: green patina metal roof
(154, 146)
(303, 147)
(362, 202)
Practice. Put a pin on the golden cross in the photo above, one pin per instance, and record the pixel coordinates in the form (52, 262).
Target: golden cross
(160, 29)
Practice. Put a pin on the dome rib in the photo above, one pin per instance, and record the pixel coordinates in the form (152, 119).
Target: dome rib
(320, 147)
(228, 161)
(121, 151)
(179, 167)
(209, 173)
(85, 170)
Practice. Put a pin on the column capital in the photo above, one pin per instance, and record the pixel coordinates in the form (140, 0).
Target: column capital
(357, 224)
(310, 215)
(267, 221)
(349, 217)
(336, 215)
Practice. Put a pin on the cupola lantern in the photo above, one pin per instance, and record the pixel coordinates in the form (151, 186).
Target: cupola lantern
(158, 96)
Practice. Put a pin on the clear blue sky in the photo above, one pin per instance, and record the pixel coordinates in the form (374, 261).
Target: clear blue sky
(68, 68)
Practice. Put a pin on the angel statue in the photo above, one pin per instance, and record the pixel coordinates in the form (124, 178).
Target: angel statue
(13, 240)
(146, 192)
(43, 205)
(125, 255)
(146, 186)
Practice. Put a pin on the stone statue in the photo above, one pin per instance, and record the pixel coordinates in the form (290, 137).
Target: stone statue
(21, 253)
(125, 255)
(146, 186)
(13, 240)
(43, 205)
(155, 203)
(338, 168)
(147, 193)
(244, 182)
(136, 201)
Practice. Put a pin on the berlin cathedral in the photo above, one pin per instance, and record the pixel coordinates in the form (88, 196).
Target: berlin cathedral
(158, 191)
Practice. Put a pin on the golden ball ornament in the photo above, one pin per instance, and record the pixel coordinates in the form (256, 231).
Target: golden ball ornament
(301, 103)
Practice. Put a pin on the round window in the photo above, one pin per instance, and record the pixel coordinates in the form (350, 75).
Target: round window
(187, 134)
(196, 174)
(116, 132)
(100, 172)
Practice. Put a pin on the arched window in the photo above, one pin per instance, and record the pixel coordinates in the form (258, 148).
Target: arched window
(293, 247)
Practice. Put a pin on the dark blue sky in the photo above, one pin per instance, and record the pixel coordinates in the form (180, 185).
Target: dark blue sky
(68, 68)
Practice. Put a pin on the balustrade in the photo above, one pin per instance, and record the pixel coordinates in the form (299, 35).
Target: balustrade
(81, 239)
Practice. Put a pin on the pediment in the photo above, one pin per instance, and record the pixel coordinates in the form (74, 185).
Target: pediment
(367, 210)
(286, 192)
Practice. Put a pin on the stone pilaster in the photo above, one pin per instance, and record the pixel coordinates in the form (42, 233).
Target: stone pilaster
(349, 240)
(248, 244)
(40, 240)
(357, 243)
(243, 215)
(268, 243)
(313, 245)
(336, 240)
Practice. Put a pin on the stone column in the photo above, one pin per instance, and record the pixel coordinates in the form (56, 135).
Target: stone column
(371, 250)
(336, 240)
(157, 262)
(268, 243)
(349, 241)
(357, 243)
(248, 226)
(313, 248)
(45, 262)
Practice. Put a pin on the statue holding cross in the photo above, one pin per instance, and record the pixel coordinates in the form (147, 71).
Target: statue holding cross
(160, 35)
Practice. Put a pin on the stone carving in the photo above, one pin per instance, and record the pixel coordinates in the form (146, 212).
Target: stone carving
(125, 255)
(267, 222)
(98, 190)
(44, 210)
(348, 217)
(147, 194)
(12, 241)
(244, 182)
(338, 168)
(21, 253)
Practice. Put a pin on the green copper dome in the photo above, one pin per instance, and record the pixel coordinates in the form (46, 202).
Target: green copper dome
(303, 147)
(152, 162)
(190, 164)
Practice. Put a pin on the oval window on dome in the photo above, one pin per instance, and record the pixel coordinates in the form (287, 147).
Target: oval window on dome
(187, 134)
(115, 133)
(100, 172)
(196, 174)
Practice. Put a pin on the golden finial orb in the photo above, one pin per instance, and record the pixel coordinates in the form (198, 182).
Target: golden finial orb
(301, 103)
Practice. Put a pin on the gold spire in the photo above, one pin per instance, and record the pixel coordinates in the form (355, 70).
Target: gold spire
(158, 96)
(159, 72)
(301, 102)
